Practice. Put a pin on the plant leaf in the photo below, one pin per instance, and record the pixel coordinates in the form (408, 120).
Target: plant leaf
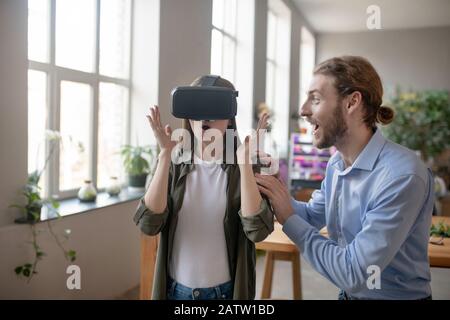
(18, 270)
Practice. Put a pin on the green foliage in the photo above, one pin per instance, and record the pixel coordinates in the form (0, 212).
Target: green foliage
(28, 270)
(25, 270)
(34, 203)
(71, 255)
(441, 230)
(421, 121)
(134, 159)
(32, 214)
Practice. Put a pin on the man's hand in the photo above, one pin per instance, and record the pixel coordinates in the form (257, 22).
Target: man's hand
(278, 195)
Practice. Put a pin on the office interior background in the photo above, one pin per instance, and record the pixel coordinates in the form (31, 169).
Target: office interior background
(78, 76)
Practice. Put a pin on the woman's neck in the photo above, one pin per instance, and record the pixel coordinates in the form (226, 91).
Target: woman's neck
(211, 155)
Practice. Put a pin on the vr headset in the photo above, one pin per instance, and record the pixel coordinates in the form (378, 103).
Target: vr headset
(205, 102)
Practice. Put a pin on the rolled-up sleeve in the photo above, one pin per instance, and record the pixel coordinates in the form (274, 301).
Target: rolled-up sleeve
(149, 222)
(259, 225)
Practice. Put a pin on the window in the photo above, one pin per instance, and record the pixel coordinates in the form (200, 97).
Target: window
(37, 120)
(307, 61)
(277, 72)
(78, 84)
(224, 42)
(232, 45)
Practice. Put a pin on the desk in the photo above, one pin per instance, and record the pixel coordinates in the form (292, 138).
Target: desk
(439, 255)
(279, 247)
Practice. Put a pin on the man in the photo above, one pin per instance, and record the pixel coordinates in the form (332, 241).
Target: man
(376, 199)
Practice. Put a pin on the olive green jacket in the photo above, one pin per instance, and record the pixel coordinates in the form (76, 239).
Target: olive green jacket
(240, 232)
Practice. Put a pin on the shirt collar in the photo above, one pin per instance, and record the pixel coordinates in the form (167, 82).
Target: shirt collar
(368, 156)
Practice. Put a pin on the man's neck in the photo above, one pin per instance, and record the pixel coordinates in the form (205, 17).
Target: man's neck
(351, 145)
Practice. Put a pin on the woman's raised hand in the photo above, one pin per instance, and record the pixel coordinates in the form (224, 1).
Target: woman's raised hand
(262, 123)
(244, 152)
(162, 135)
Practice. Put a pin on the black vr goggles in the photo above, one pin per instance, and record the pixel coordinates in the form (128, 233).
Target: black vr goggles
(205, 102)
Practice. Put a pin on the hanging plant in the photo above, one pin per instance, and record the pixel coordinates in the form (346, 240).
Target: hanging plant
(31, 213)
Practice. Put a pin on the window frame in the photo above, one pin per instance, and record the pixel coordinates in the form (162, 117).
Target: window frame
(306, 71)
(282, 16)
(55, 75)
(230, 37)
(272, 61)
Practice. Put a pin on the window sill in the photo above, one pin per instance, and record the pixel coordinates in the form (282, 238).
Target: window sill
(72, 206)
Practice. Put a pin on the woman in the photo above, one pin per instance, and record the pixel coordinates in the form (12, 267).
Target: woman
(209, 215)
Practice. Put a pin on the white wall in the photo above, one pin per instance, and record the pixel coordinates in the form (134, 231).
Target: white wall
(13, 104)
(185, 48)
(416, 58)
(107, 245)
(144, 68)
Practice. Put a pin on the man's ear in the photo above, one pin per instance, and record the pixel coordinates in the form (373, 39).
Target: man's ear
(354, 101)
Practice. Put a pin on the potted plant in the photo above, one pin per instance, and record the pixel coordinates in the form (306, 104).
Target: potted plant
(136, 162)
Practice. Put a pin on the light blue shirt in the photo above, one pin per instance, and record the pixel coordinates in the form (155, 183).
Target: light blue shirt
(378, 213)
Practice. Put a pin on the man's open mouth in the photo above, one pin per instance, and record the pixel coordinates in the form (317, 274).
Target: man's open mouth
(314, 125)
(205, 127)
(315, 128)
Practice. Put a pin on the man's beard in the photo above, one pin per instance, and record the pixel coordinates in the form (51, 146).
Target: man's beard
(334, 130)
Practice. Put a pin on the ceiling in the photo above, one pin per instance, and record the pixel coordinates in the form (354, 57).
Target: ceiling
(350, 15)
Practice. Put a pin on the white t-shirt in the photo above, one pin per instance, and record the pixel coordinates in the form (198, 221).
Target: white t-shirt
(199, 255)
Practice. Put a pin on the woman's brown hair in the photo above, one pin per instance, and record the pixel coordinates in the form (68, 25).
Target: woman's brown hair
(352, 73)
(224, 83)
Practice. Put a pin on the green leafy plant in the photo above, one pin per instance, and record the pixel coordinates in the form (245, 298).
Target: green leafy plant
(441, 229)
(421, 121)
(134, 159)
(31, 213)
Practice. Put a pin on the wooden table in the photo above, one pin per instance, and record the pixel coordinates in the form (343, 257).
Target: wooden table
(439, 255)
(279, 247)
